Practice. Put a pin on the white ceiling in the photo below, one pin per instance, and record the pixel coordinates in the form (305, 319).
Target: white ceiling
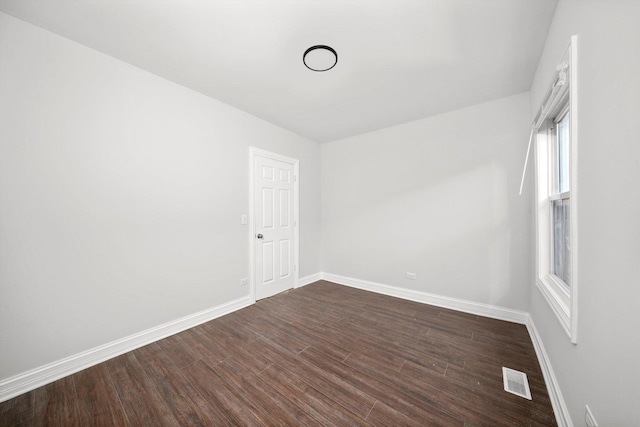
(398, 60)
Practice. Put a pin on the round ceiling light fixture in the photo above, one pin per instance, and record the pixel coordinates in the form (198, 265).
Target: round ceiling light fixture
(320, 58)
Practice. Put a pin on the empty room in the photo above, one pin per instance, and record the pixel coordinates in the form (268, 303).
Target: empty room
(306, 212)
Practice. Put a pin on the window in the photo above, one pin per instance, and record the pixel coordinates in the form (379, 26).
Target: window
(559, 197)
(555, 140)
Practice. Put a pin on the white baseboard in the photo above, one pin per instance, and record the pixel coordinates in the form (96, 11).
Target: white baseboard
(563, 418)
(30, 380)
(559, 406)
(304, 281)
(35, 378)
(480, 309)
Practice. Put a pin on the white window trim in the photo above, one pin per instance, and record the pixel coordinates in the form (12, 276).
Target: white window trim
(564, 303)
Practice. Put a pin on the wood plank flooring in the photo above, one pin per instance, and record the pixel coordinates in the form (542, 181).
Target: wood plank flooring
(324, 354)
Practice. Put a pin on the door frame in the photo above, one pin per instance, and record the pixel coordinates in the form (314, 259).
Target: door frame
(255, 152)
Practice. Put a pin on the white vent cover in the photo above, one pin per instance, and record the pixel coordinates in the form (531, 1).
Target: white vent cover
(516, 382)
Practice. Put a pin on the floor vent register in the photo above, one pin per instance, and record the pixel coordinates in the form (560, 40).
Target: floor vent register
(516, 382)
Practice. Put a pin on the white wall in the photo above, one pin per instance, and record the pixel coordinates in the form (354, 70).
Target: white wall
(437, 197)
(602, 369)
(120, 198)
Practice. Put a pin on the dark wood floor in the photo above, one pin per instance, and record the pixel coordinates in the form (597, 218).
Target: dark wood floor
(320, 355)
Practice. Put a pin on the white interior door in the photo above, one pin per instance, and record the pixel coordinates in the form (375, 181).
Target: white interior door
(273, 201)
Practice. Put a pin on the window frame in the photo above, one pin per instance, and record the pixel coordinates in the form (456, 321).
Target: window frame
(562, 298)
(554, 193)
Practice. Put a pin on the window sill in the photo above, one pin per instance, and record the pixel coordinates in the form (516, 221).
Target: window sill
(557, 300)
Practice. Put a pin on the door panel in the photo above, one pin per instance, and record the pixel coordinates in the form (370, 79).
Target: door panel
(267, 172)
(285, 208)
(274, 231)
(285, 258)
(268, 211)
(268, 262)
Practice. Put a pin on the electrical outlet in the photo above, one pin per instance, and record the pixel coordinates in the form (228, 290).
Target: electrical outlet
(589, 418)
(411, 276)
(244, 282)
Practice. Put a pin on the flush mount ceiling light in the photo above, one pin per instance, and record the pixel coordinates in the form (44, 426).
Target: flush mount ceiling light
(320, 58)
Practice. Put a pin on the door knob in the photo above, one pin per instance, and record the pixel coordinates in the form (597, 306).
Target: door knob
(259, 236)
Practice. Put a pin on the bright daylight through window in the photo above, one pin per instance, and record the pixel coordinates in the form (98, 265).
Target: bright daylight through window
(560, 200)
